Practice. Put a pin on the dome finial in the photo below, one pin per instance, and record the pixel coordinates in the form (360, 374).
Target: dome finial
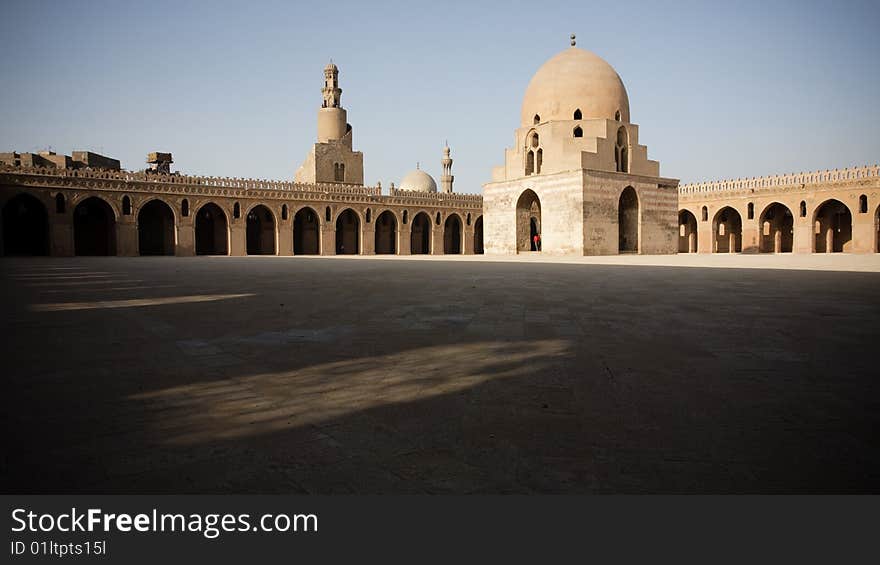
(573, 40)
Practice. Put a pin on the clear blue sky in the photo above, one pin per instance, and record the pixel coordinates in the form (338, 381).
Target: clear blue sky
(719, 90)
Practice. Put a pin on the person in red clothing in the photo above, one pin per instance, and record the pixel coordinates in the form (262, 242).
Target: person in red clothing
(537, 242)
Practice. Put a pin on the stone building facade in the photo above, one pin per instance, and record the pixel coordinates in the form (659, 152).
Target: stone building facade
(84, 205)
(68, 212)
(830, 211)
(576, 176)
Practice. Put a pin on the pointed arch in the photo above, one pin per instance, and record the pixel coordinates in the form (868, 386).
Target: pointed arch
(348, 228)
(776, 229)
(156, 225)
(478, 236)
(260, 231)
(687, 234)
(386, 233)
(420, 234)
(528, 221)
(306, 232)
(212, 230)
(25, 226)
(452, 235)
(94, 227)
(832, 223)
(628, 221)
(577, 114)
(727, 231)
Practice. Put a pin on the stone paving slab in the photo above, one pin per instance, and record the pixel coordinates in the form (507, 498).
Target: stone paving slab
(441, 375)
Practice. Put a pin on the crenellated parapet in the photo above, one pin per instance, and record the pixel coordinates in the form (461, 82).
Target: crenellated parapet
(777, 182)
(415, 197)
(175, 183)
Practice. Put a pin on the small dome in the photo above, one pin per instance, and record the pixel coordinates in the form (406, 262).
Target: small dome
(572, 80)
(419, 181)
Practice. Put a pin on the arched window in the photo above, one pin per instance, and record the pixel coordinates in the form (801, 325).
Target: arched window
(438, 218)
(469, 219)
(578, 132)
(537, 119)
(184, 208)
(236, 210)
(578, 115)
(327, 214)
(705, 214)
(617, 116)
(59, 203)
(751, 211)
(405, 216)
(803, 209)
(126, 206)
(284, 212)
(621, 151)
(530, 162)
(369, 215)
(539, 158)
(863, 204)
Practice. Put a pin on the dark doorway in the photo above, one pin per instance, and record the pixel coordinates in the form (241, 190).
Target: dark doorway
(348, 227)
(628, 221)
(156, 229)
(212, 233)
(25, 226)
(478, 236)
(260, 231)
(528, 221)
(420, 237)
(386, 233)
(452, 235)
(306, 232)
(94, 228)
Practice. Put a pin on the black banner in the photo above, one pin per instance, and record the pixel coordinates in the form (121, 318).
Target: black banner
(463, 529)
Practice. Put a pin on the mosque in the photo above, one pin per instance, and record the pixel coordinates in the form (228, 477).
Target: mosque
(576, 177)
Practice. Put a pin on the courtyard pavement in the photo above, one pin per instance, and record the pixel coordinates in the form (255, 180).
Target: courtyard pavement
(441, 375)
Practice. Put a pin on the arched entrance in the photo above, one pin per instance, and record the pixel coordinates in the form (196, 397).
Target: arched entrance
(25, 226)
(628, 221)
(420, 237)
(727, 227)
(260, 231)
(348, 227)
(452, 235)
(386, 233)
(877, 230)
(833, 227)
(94, 228)
(212, 231)
(528, 221)
(306, 231)
(156, 229)
(777, 229)
(478, 236)
(687, 232)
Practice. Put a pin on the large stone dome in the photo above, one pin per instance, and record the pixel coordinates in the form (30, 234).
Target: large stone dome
(419, 181)
(575, 79)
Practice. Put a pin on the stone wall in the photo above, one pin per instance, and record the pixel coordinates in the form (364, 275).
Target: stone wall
(802, 194)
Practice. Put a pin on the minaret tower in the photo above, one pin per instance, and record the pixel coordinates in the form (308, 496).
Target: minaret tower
(332, 116)
(332, 159)
(446, 177)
